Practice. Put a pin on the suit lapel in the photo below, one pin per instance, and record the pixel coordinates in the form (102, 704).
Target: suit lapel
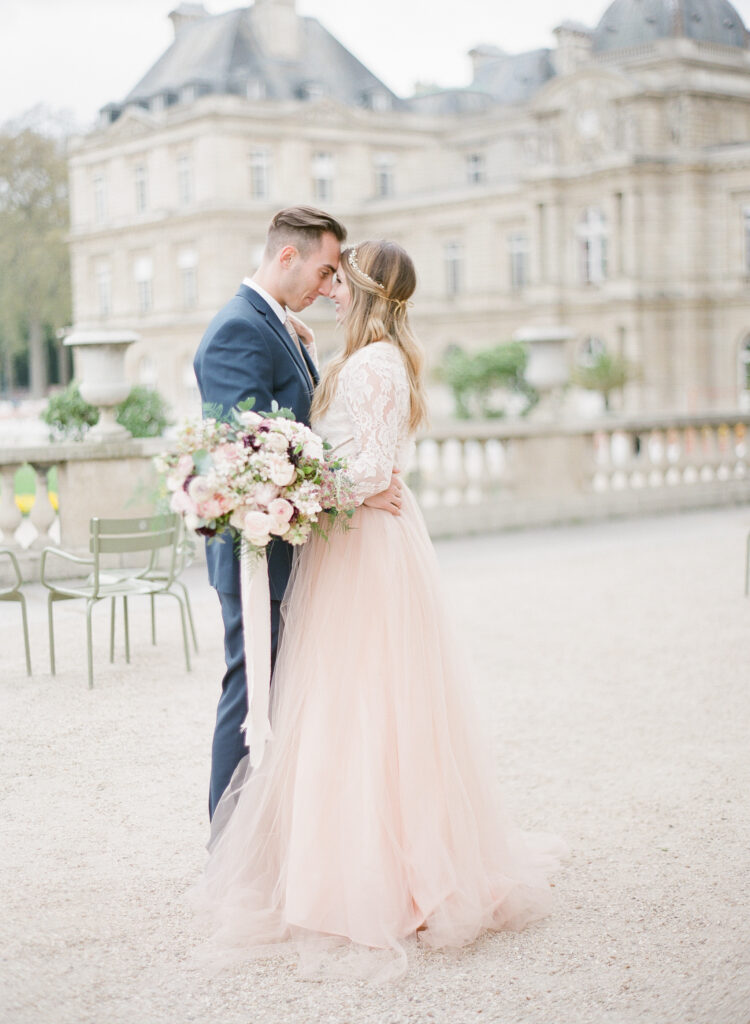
(259, 303)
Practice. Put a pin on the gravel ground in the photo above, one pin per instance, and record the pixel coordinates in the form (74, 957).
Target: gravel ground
(613, 664)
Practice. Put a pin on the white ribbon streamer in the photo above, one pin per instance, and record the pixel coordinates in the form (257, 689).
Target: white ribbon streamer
(256, 625)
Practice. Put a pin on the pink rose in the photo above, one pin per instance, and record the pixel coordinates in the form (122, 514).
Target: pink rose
(281, 509)
(263, 494)
(180, 502)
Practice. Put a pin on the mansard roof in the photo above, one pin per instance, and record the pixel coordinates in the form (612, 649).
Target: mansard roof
(514, 77)
(221, 53)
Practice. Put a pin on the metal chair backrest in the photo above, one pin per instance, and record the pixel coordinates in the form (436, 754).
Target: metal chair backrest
(147, 534)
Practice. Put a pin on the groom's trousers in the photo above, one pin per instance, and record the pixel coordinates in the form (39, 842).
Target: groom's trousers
(229, 741)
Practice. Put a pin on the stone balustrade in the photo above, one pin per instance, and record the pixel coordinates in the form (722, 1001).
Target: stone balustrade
(469, 477)
(472, 477)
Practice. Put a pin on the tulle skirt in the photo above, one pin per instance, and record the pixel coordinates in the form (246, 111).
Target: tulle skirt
(374, 815)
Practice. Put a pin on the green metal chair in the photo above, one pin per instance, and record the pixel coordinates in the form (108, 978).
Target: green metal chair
(184, 558)
(148, 536)
(13, 593)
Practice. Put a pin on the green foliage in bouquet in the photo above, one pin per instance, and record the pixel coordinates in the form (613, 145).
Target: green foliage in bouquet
(475, 378)
(144, 413)
(605, 373)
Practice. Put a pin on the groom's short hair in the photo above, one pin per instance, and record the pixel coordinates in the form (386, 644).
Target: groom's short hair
(302, 227)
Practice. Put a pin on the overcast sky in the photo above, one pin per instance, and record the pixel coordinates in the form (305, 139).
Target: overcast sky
(80, 54)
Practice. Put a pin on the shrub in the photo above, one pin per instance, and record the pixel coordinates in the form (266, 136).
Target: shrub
(69, 415)
(144, 413)
(476, 378)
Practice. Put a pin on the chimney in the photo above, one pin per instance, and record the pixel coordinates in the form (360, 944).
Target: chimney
(573, 46)
(484, 54)
(185, 15)
(277, 27)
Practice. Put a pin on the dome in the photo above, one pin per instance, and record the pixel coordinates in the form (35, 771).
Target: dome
(628, 23)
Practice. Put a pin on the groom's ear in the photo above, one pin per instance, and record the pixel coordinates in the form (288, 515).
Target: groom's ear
(287, 256)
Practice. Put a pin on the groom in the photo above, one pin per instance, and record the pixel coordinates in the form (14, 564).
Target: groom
(251, 348)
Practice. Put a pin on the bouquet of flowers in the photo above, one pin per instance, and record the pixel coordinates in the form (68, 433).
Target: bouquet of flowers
(261, 475)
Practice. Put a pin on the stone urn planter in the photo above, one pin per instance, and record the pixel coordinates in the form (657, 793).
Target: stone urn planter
(100, 369)
(547, 368)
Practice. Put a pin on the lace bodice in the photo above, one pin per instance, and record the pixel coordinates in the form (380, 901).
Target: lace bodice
(368, 420)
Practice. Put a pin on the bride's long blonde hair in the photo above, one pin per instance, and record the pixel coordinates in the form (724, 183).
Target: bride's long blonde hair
(381, 280)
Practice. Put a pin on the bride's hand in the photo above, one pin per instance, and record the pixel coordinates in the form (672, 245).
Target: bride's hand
(390, 499)
(304, 333)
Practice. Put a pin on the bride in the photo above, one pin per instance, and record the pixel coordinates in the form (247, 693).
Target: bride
(374, 815)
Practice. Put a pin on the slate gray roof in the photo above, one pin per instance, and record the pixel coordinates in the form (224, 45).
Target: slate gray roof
(514, 78)
(502, 78)
(220, 53)
(628, 23)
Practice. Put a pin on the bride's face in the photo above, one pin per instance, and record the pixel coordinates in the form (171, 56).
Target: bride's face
(340, 294)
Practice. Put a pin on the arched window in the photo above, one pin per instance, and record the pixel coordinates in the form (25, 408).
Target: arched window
(592, 233)
(744, 372)
(589, 351)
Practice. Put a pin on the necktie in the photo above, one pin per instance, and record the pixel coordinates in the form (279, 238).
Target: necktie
(295, 338)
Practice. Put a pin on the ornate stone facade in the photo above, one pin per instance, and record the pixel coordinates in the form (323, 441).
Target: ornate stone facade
(598, 187)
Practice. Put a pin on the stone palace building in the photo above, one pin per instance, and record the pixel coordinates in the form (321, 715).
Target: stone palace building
(599, 190)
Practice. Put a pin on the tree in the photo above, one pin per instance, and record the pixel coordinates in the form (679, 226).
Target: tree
(475, 379)
(34, 260)
(605, 373)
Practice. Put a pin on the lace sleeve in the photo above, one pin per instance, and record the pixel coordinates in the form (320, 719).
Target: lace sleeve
(376, 393)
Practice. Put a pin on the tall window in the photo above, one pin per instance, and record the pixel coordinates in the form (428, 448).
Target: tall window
(475, 173)
(323, 173)
(187, 263)
(144, 283)
(541, 229)
(100, 199)
(746, 235)
(184, 179)
(259, 174)
(453, 259)
(518, 258)
(620, 232)
(744, 367)
(141, 188)
(384, 179)
(147, 374)
(590, 351)
(592, 246)
(255, 89)
(103, 289)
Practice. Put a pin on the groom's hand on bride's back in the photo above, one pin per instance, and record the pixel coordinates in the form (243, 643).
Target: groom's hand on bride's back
(390, 499)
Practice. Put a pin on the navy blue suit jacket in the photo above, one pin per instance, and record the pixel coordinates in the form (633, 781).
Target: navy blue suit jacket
(246, 352)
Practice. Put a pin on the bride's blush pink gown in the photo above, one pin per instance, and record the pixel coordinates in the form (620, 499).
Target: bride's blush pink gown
(375, 813)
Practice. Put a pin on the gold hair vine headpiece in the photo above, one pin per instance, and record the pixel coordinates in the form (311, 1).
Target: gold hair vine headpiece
(353, 263)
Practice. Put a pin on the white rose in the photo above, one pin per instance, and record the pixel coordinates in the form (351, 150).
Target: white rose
(275, 442)
(237, 518)
(280, 526)
(282, 472)
(257, 528)
(250, 418)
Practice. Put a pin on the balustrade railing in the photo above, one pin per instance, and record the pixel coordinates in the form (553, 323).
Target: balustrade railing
(468, 476)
